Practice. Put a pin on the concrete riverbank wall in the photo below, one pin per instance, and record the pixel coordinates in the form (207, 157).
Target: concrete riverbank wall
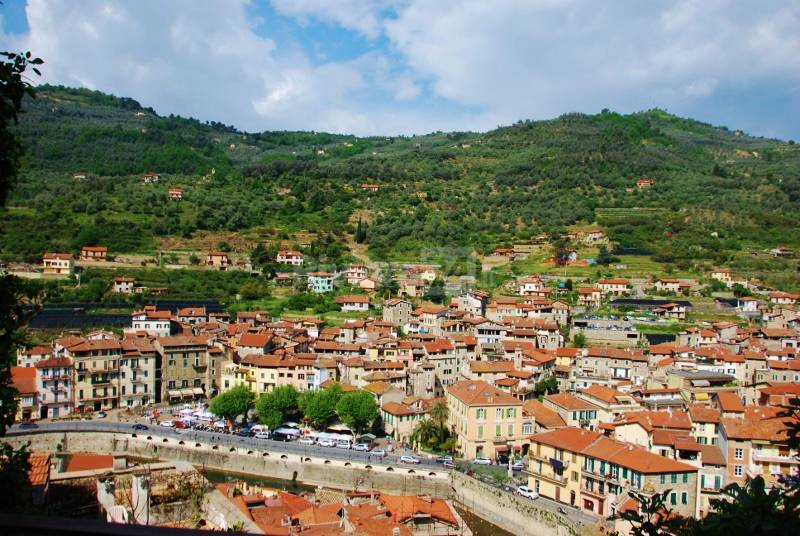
(312, 469)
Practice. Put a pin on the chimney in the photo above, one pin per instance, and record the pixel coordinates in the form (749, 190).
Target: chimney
(396, 531)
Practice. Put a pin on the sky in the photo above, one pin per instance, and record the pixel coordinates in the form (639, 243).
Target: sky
(416, 66)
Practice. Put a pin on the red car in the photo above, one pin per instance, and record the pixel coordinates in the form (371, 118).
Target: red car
(180, 424)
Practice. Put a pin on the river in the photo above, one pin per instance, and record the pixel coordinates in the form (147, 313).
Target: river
(479, 526)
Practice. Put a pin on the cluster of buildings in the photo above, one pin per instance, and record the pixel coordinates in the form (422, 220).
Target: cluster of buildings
(691, 415)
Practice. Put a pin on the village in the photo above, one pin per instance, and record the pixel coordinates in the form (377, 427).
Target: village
(565, 384)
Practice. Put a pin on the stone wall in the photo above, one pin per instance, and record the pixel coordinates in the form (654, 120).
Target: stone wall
(312, 470)
(515, 514)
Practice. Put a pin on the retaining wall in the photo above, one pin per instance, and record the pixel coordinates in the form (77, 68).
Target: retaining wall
(515, 514)
(312, 470)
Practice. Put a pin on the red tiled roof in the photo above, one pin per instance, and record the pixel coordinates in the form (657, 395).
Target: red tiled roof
(39, 473)
(23, 379)
(90, 462)
(543, 415)
(569, 401)
(480, 393)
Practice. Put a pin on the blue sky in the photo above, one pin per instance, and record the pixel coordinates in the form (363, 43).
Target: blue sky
(416, 66)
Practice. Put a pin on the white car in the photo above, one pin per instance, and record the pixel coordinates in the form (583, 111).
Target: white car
(409, 459)
(327, 443)
(262, 435)
(343, 445)
(361, 447)
(168, 424)
(528, 493)
(379, 452)
(518, 466)
(482, 461)
(305, 441)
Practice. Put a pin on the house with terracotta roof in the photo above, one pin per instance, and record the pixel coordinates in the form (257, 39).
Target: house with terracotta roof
(218, 260)
(783, 298)
(757, 444)
(639, 427)
(575, 411)
(123, 285)
(175, 194)
(611, 401)
(604, 469)
(58, 264)
(320, 282)
(290, 257)
(96, 376)
(645, 183)
(400, 420)
(188, 369)
(39, 477)
(54, 384)
(543, 418)
(397, 311)
(154, 322)
(613, 287)
(30, 356)
(94, 253)
(353, 302)
(23, 379)
(705, 423)
(672, 285)
(671, 310)
(591, 297)
(594, 236)
(532, 286)
(614, 364)
(485, 420)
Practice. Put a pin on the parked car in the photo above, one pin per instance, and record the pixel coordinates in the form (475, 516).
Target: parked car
(361, 447)
(101, 415)
(343, 445)
(327, 443)
(28, 424)
(443, 459)
(244, 432)
(306, 441)
(262, 435)
(409, 459)
(482, 461)
(518, 466)
(528, 493)
(168, 424)
(379, 452)
(180, 424)
(449, 464)
(140, 427)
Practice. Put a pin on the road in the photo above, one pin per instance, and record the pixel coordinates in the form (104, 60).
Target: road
(223, 440)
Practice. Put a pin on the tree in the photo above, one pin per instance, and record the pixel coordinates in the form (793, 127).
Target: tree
(357, 410)
(361, 232)
(435, 292)
(14, 292)
(275, 406)
(546, 386)
(561, 250)
(604, 257)
(579, 340)
(438, 414)
(388, 286)
(319, 407)
(233, 402)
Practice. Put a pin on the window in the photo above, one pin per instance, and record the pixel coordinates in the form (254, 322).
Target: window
(574, 476)
(684, 497)
(497, 430)
(673, 498)
(510, 413)
(171, 384)
(527, 428)
(498, 414)
(480, 431)
(481, 414)
(674, 478)
(685, 478)
(738, 470)
(663, 479)
(738, 453)
(510, 430)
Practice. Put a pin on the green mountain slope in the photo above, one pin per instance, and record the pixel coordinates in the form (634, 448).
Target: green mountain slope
(719, 193)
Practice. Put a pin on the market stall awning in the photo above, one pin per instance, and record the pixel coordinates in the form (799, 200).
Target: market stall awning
(174, 393)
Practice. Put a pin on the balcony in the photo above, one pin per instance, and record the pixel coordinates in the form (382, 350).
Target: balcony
(774, 458)
(102, 381)
(200, 367)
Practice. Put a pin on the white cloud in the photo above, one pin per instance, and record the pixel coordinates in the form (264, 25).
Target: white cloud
(428, 65)
(362, 16)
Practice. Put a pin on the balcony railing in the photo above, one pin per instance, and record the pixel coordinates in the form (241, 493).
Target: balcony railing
(774, 458)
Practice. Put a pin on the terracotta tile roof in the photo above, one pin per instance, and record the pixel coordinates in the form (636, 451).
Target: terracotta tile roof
(397, 409)
(257, 340)
(602, 392)
(701, 413)
(543, 415)
(729, 402)
(263, 361)
(569, 401)
(54, 362)
(712, 455)
(568, 438)
(614, 353)
(90, 462)
(480, 393)
(23, 379)
(38, 350)
(39, 473)
(179, 340)
(483, 367)
(90, 345)
(506, 382)
(633, 457)
(404, 507)
(352, 298)
(651, 420)
(760, 423)
(378, 388)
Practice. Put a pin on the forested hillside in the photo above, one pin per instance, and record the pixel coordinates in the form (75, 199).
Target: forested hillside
(717, 192)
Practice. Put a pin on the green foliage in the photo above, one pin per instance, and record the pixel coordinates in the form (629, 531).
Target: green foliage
(14, 468)
(274, 407)
(319, 407)
(604, 257)
(435, 292)
(233, 402)
(358, 410)
(388, 286)
(579, 340)
(546, 386)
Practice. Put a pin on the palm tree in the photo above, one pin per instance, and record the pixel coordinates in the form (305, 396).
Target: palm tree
(425, 430)
(438, 414)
